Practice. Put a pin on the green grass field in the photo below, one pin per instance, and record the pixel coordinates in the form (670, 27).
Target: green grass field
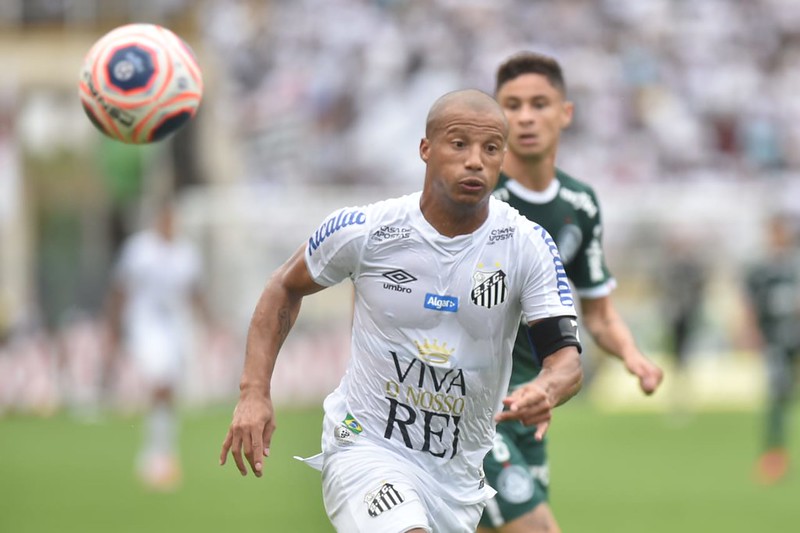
(615, 473)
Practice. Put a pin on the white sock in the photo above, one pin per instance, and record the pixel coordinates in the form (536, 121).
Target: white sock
(161, 431)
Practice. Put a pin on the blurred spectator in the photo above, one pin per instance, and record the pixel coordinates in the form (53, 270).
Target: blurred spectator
(671, 93)
(654, 69)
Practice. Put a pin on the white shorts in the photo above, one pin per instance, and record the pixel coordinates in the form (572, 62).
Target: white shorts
(369, 491)
(158, 355)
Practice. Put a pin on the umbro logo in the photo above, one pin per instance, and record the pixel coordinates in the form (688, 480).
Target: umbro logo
(398, 277)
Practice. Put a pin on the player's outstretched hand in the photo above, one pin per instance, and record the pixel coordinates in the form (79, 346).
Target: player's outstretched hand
(649, 374)
(531, 405)
(251, 430)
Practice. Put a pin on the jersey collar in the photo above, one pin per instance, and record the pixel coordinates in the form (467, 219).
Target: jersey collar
(455, 244)
(534, 197)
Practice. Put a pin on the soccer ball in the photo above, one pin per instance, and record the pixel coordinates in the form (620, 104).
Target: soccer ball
(139, 83)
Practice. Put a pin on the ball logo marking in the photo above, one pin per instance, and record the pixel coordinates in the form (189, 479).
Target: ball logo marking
(124, 70)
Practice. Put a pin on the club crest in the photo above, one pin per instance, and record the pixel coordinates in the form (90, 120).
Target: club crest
(489, 288)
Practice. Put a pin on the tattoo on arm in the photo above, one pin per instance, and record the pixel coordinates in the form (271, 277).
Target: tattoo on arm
(284, 323)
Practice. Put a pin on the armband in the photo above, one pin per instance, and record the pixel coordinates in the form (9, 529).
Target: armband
(553, 333)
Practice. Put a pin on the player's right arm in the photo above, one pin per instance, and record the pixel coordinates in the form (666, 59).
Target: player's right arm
(275, 313)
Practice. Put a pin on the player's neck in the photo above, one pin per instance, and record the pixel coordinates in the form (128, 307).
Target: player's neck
(534, 174)
(453, 219)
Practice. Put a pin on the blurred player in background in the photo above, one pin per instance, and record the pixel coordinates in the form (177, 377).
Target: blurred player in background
(683, 279)
(773, 290)
(155, 287)
(531, 90)
(441, 279)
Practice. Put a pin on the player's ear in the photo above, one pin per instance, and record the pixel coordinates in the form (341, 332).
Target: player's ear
(424, 149)
(566, 115)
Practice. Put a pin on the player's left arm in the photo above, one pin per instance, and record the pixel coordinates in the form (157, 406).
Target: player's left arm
(590, 274)
(560, 378)
(612, 334)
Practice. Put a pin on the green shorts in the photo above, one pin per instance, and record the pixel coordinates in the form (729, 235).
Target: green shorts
(517, 469)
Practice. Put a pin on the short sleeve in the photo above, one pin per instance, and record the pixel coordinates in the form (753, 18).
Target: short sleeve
(334, 248)
(546, 291)
(588, 271)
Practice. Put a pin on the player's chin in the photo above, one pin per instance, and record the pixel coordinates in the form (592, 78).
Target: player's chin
(473, 196)
(533, 153)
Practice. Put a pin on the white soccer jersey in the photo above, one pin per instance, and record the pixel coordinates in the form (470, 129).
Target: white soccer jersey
(158, 277)
(434, 325)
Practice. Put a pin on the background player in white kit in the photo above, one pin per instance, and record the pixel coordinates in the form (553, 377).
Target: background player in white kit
(156, 283)
(405, 433)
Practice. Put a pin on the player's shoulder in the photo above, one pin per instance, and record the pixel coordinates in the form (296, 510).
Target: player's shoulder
(579, 194)
(528, 240)
(505, 214)
(364, 214)
(572, 183)
(356, 221)
(502, 211)
(137, 249)
(386, 211)
(140, 240)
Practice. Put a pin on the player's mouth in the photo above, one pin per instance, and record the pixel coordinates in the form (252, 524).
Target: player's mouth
(472, 185)
(528, 139)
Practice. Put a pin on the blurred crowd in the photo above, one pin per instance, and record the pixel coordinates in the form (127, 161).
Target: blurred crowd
(333, 93)
(336, 90)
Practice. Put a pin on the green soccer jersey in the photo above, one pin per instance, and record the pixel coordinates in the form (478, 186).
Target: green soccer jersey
(774, 290)
(570, 213)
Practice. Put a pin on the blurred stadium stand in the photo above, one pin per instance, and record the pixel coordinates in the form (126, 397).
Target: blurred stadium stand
(687, 122)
